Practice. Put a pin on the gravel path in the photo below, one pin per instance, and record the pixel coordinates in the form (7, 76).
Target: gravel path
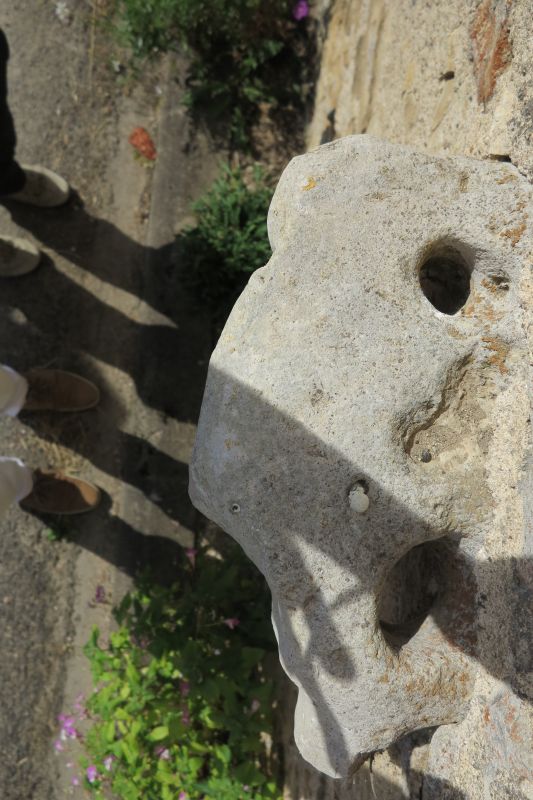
(107, 301)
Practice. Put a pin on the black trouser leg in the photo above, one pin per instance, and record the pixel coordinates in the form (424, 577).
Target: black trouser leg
(12, 177)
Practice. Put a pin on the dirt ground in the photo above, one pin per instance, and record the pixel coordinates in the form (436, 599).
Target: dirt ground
(108, 301)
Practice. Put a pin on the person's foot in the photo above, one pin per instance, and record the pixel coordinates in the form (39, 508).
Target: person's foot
(56, 493)
(17, 257)
(43, 188)
(58, 390)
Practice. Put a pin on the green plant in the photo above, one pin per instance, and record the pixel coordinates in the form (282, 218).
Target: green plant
(242, 51)
(145, 26)
(182, 698)
(59, 532)
(230, 239)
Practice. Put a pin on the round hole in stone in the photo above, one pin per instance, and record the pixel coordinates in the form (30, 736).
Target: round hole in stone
(445, 279)
(411, 590)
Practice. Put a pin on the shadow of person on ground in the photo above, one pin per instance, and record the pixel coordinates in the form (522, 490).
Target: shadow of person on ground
(166, 361)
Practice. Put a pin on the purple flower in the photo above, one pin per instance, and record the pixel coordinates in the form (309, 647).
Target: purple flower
(68, 731)
(99, 595)
(300, 10)
(182, 796)
(75, 781)
(58, 746)
(185, 688)
(191, 554)
(232, 622)
(92, 773)
(163, 753)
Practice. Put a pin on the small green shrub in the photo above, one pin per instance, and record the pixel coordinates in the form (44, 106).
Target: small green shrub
(181, 697)
(145, 25)
(242, 51)
(230, 239)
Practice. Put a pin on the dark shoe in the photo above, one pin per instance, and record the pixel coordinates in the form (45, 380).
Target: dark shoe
(17, 257)
(57, 390)
(43, 188)
(56, 493)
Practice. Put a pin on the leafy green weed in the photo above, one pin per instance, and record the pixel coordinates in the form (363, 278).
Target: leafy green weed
(182, 701)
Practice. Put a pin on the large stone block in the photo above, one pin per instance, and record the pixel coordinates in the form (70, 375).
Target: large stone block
(365, 435)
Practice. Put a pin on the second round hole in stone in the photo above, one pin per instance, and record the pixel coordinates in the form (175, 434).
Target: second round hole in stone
(445, 280)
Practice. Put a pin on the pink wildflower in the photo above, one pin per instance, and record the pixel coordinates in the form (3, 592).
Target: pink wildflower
(182, 796)
(191, 554)
(75, 781)
(185, 688)
(58, 746)
(68, 731)
(232, 622)
(92, 773)
(163, 753)
(300, 10)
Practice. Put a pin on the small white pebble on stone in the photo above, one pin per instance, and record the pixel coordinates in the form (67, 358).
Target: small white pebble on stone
(17, 316)
(359, 500)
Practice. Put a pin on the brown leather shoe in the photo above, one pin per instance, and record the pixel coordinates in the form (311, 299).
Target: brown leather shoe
(56, 493)
(57, 390)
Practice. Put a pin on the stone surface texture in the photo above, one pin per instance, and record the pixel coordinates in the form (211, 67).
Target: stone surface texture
(446, 75)
(371, 455)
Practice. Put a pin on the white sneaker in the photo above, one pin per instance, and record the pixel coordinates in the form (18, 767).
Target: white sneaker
(43, 188)
(17, 257)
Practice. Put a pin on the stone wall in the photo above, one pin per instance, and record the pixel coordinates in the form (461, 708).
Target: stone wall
(451, 76)
(339, 307)
(443, 75)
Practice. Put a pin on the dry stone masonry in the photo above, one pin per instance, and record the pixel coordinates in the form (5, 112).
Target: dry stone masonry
(365, 435)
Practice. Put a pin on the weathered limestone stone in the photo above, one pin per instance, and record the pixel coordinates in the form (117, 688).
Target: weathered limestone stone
(365, 435)
(446, 75)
